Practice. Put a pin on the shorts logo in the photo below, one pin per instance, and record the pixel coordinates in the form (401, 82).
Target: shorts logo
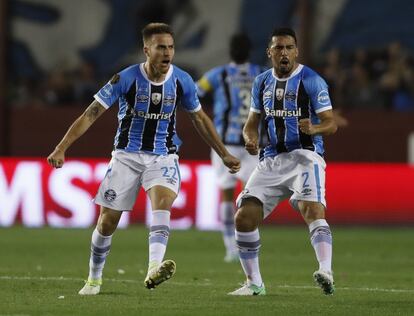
(306, 191)
(245, 191)
(110, 195)
(156, 98)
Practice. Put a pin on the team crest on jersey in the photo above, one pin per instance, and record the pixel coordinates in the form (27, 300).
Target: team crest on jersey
(279, 93)
(156, 98)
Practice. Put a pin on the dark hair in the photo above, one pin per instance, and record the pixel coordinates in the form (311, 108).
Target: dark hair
(283, 31)
(155, 28)
(240, 46)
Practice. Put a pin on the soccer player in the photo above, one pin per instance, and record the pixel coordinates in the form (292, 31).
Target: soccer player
(298, 111)
(145, 149)
(230, 86)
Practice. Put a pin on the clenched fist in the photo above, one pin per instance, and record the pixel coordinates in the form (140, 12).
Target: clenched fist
(306, 126)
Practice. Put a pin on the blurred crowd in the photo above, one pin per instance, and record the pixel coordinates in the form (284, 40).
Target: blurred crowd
(60, 87)
(362, 79)
(371, 79)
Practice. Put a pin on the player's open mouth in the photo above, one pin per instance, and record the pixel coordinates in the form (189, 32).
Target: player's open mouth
(284, 62)
(166, 62)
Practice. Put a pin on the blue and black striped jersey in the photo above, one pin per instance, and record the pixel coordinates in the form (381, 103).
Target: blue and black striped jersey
(147, 110)
(231, 86)
(284, 102)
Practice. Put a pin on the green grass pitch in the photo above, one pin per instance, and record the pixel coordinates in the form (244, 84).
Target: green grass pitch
(41, 271)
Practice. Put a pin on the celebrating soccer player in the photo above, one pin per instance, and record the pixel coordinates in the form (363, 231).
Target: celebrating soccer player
(145, 149)
(298, 111)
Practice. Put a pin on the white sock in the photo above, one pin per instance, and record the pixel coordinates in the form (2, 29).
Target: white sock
(227, 218)
(100, 246)
(321, 240)
(249, 244)
(158, 236)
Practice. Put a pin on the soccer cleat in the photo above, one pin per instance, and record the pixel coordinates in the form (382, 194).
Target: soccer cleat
(91, 287)
(325, 281)
(231, 257)
(159, 273)
(247, 290)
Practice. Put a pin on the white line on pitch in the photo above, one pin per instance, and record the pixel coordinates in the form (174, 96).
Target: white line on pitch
(206, 283)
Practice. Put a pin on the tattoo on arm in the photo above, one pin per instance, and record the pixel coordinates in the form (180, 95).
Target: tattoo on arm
(93, 111)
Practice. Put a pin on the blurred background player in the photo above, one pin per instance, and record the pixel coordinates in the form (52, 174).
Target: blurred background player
(298, 111)
(230, 87)
(145, 150)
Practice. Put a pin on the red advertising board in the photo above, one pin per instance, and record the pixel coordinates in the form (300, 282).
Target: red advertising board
(35, 195)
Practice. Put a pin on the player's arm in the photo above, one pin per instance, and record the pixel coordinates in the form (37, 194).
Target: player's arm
(203, 86)
(206, 129)
(327, 126)
(251, 133)
(76, 130)
(340, 119)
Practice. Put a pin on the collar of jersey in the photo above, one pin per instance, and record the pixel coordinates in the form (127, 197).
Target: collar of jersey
(167, 76)
(297, 70)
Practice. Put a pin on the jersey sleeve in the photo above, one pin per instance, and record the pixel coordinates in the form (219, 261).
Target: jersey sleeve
(317, 90)
(115, 87)
(208, 82)
(256, 102)
(190, 100)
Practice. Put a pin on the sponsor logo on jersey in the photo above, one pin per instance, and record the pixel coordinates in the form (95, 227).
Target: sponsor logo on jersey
(106, 91)
(279, 93)
(323, 97)
(152, 116)
(156, 98)
(283, 113)
(110, 195)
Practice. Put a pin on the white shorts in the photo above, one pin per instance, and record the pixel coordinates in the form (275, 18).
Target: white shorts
(128, 171)
(299, 174)
(227, 180)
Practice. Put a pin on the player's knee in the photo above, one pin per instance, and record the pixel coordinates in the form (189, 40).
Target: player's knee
(311, 211)
(108, 221)
(248, 216)
(164, 202)
(106, 227)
